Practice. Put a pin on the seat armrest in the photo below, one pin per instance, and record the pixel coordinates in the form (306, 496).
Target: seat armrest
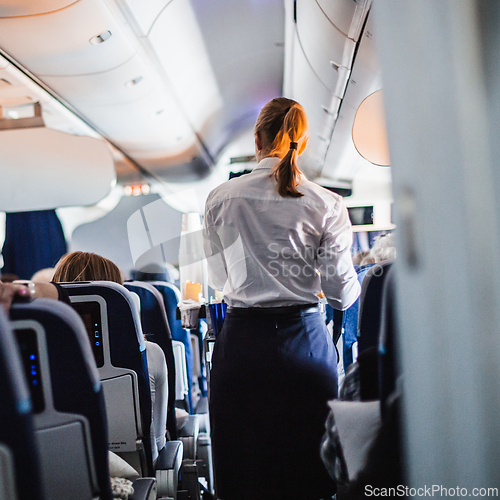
(188, 434)
(144, 489)
(168, 466)
(190, 427)
(202, 413)
(170, 455)
(202, 406)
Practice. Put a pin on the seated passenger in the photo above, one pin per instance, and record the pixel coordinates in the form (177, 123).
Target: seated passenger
(85, 266)
(382, 250)
(45, 275)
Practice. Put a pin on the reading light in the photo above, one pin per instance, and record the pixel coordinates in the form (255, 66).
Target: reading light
(127, 190)
(102, 37)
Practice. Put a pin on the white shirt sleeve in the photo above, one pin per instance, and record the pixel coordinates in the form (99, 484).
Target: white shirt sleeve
(214, 252)
(157, 367)
(339, 280)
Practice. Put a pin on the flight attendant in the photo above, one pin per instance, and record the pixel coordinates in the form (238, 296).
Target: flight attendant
(274, 241)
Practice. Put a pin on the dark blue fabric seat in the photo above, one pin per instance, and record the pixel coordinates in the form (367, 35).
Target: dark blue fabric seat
(350, 322)
(17, 439)
(370, 312)
(171, 296)
(156, 328)
(124, 368)
(68, 400)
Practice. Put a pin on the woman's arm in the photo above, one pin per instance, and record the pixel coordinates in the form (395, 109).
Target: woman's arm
(8, 291)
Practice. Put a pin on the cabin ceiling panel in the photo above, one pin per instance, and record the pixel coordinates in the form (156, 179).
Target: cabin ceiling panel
(58, 43)
(244, 42)
(180, 49)
(129, 82)
(14, 8)
(36, 162)
(323, 44)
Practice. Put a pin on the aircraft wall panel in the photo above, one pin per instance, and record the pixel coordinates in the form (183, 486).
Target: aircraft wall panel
(59, 43)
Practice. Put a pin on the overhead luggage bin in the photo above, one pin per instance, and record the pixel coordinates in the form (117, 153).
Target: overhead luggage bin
(59, 43)
(347, 17)
(340, 47)
(16, 8)
(36, 162)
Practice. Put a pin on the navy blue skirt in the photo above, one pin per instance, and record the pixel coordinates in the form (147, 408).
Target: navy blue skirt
(271, 378)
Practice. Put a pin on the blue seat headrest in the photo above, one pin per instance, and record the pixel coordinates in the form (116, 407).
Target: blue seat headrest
(16, 420)
(75, 383)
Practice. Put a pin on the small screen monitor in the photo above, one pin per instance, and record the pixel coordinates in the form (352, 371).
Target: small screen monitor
(361, 216)
(28, 344)
(90, 312)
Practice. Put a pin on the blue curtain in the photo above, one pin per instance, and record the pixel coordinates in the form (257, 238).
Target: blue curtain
(33, 241)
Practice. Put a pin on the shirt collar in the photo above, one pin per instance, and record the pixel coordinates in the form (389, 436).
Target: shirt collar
(267, 163)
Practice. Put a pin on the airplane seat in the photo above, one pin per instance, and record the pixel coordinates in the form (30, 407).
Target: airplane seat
(155, 324)
(20, 474)
(371, 305)
(350, 319)
(68, 400)
(388, 368)
(119, 349)
(369, 329)
(155, 327)
(171, 297)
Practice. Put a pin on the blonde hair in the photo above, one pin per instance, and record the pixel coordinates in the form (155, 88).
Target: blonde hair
(86, 266)
(283, 123)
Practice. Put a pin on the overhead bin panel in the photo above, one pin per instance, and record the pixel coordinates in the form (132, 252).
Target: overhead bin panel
(14, 8)
(145, 13)
(59, 43)
(129, 82)
(180, 49)
(342, 159)
(318, 102)
(346, 15)
(150, 122)
(36, 162)
(323, 44)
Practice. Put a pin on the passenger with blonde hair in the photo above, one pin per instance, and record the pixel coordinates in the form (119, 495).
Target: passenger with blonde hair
(274, 365)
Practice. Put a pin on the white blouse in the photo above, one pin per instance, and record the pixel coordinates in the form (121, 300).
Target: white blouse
(264, 250)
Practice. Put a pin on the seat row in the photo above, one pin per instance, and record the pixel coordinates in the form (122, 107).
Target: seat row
(89, 391)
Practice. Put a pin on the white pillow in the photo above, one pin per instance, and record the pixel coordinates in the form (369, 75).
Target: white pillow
(119, 468)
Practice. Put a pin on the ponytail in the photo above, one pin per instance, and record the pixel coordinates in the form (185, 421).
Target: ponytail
(284, 123)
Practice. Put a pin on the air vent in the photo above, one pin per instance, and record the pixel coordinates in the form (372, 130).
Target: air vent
(101, 38)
